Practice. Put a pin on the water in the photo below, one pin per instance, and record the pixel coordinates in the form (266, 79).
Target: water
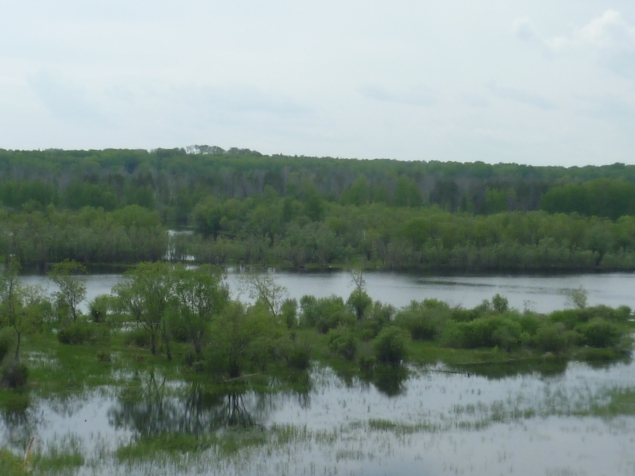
(548, 417)
(542, 293)
(536, 422)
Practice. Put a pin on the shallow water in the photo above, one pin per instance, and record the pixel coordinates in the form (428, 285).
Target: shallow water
(538, 421)
(542, 293)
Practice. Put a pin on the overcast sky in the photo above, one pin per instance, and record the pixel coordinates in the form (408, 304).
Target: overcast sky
(537, 82)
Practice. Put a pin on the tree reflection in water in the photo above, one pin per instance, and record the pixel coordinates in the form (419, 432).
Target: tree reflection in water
(196, 410)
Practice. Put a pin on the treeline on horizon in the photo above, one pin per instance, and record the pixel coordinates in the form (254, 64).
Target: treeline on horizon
(247, 208)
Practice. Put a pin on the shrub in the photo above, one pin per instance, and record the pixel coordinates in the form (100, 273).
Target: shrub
(82, 332)
(342, 342)
(99, 308)
(6, 342)
(553, 338)
(14, 375)
(299, 357)
(325, 313)
(500, 303)
(424, 321)
(289, 311)
(600, 333)
(570, 318)
(138, 337)
(390, 345)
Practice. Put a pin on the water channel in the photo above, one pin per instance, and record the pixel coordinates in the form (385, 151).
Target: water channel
(553, 418)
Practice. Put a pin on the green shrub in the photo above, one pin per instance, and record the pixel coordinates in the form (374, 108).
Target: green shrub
(390, 345)
(500, 303)
(99, 308)
(325, 313)
(289, 311)
(76, 333)
(570, 318)
(424, 320)
(6, 343)
(341, 341)
(553, 338)
(137, 337)
(600, 333)
(299, 357)
(14, 375)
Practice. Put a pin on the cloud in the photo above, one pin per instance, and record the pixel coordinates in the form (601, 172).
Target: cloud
(609, 36)
(521, 96)
(523, 28)
(606, 31)
(66, 101)
(414, 96)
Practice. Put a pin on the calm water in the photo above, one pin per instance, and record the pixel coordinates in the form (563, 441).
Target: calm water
(529, 419)
(531, 423)
(543, 293)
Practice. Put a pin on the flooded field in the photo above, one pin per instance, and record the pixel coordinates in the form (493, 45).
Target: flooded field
(548, 417)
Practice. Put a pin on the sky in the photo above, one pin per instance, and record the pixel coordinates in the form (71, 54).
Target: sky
(535, 82)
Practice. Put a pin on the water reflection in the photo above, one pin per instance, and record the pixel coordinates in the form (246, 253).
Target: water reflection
(193, 409)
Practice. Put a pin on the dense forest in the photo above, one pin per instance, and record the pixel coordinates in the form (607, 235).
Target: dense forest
(115, 206)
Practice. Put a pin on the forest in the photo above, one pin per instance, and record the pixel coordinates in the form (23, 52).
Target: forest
(239, 207)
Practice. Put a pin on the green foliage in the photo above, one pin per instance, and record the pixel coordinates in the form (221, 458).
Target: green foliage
(6, 343)
(359, 301)
(424, 320)
(601, 197)
(137, 337)
(72, 288)
(600, 333)
(14, 374)
(390, 346)
(342, 342)
(577, 298)
(241, 338)
(289, 312)
(82, 332)
(325, 313)
(99, 308)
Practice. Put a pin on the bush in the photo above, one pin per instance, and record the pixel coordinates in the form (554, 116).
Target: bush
(99, 308)
(138, 337)
(82, 332)
(424, 321)
(6, 342)
(342, 342)
(299, 357)
(600, 333)
(553, 338)
(390, 345)
(14, 375)
(502, 331)
(289, 311)
(325, 313)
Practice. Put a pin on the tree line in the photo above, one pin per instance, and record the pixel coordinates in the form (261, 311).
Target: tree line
(174, 181)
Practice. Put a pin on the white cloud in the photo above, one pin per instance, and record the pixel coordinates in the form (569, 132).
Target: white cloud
(609, 30)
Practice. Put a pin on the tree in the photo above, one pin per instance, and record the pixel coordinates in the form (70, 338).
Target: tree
(147, 294)
(72, 288)
(359, 300)
(263, 288)
(199, 296)
(19, 306)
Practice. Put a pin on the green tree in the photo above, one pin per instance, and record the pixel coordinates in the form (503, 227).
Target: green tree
(72, 287)
(147, 294)
(19, 306)
(200, 296)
